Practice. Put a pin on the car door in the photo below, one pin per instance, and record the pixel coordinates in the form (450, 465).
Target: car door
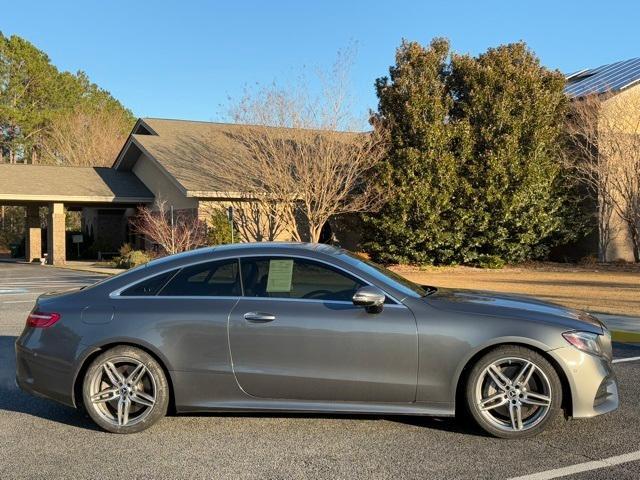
(184, 313)
(295, 334)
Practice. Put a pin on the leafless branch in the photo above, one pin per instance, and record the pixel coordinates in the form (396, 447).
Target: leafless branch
(173, 232)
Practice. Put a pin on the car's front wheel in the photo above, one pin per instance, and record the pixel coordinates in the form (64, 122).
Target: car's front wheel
(513, 392)
(125, 390)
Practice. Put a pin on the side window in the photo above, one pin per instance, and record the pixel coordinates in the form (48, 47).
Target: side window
(211, 279)
(148, 287)
(281, 277)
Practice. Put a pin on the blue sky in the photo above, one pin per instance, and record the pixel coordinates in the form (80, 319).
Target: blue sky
(184, 59)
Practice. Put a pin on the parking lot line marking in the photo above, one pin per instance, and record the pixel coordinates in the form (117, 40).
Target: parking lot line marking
(582, 467)
(18, 301)
(629, 359)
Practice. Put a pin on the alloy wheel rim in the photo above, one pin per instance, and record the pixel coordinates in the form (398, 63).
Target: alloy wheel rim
(513, 394)
(122, 391)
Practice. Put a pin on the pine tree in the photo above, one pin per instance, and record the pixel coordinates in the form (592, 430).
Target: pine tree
(33, 93)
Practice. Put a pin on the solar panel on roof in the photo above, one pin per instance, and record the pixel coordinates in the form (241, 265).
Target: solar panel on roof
(607, 78)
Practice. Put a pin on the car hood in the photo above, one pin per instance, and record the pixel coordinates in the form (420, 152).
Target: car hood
(513, 306)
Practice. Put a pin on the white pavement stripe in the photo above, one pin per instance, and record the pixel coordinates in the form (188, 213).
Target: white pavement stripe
(18, 301)
(629, 359)
(582, 467)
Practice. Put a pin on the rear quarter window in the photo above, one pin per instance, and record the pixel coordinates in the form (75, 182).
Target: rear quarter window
(149, 287)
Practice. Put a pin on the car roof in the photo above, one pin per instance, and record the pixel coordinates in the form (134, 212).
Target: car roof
(199, 254)
(243, 249)
(316, 247)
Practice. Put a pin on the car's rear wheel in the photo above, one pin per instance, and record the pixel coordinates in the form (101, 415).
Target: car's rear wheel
(513, 392)
(125, 390)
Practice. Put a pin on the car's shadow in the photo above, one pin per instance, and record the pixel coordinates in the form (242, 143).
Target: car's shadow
(15, 400)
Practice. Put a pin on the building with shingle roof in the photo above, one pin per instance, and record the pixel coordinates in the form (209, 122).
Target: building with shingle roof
(174, 161)
(617, 88)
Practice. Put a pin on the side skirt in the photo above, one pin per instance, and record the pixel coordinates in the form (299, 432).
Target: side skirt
(341, 408)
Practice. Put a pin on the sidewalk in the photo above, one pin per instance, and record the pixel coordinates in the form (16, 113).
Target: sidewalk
(80, 265)
(90, 266)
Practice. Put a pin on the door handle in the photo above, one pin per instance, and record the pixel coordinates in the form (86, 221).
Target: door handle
(259, 317)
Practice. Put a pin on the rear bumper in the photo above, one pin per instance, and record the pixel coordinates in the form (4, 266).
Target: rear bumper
(593, 383)
(43, 376)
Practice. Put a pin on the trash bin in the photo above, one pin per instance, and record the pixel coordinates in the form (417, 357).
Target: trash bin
(15, 250)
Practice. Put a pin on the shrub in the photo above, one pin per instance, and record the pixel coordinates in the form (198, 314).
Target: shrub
(218, 230)
(588, 261)
(489, 261)
(130, 258)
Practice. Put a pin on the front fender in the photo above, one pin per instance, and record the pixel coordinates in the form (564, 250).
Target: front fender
(481, 348)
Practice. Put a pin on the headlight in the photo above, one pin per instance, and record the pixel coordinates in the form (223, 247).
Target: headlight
(585, 341)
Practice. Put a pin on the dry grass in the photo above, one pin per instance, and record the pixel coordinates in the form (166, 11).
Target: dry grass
(613, 289)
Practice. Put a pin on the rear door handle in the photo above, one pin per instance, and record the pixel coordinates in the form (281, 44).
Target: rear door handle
(259, 317)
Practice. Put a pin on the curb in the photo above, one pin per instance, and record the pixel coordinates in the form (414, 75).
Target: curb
(103, 271)
(622, 336)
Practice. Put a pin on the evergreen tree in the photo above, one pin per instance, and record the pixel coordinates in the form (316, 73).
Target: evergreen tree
(33, 92)
(474, 149)
(514, 109)
(421, 223)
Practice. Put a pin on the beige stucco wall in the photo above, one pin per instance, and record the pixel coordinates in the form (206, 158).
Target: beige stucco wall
(251, 220)
(162, 188)
(622, 113)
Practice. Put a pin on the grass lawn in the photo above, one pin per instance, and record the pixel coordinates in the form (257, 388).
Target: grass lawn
(613, 289)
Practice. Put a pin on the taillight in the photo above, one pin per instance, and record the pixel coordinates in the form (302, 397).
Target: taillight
(40, 319)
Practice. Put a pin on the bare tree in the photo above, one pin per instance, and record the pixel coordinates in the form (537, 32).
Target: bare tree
(300, 154)
(173, 231)
(605, 156)
(255, 219)
(590, 168)
(83, 137)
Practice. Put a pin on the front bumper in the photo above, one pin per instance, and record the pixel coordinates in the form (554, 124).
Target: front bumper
(43, 376)
(593, 383)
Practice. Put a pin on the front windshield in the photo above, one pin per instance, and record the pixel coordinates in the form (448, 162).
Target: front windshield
(387, 276)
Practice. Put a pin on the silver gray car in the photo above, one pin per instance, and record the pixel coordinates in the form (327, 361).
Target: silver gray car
(309, 328)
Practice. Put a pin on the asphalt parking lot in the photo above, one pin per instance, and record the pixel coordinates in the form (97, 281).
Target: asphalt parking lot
(41, 439)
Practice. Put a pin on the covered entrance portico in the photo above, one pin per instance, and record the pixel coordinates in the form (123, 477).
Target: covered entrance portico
(65, 188)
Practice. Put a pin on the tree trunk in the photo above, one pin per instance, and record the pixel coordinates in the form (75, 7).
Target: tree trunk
(635, 238)
(314, 233)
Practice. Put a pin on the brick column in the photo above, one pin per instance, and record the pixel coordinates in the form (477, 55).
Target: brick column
(33, 250)
(56, 242)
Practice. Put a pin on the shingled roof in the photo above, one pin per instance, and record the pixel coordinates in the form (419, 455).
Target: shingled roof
(189, 152)
(48, 183)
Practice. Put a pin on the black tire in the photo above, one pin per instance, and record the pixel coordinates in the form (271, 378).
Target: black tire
(152, 384)
(492, 420)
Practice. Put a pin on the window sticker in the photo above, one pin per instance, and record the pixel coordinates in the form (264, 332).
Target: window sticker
(280, 273)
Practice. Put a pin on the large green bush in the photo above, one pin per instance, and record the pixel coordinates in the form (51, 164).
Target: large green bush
(474, 148)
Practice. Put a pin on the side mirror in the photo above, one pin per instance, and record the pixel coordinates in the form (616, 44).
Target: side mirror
(369, 297)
